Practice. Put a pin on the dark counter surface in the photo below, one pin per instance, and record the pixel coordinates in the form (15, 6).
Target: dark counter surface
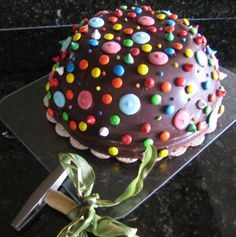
(199, 201)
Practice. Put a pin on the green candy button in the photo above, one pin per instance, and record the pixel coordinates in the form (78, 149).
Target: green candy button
(128, 43)
(74, 45)
(147, 142)
(169, 36)
(156, 99)
(191, 128)
(65, 116)
(115, 120)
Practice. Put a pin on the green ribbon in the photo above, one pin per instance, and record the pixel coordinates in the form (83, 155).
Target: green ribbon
(83, 217)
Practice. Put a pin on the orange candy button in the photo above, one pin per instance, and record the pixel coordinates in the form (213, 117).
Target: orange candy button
(104, 59)
(117, 82)
(113, 19)
(177, 46)
(128, 31)
(166, 86)
(83, 64)
(164, 136)
(107, 99)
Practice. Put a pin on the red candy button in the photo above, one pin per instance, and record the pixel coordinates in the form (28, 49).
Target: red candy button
(149, 82)
(85, 100)
(181, 119)
(135, 52)
(188, 67)
(180, 81)
(182, 33)
(145, 127)
(126, 139)
(90, 120)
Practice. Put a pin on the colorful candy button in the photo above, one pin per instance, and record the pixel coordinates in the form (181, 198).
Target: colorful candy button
(156, 99)
(115, 120)
(166, 86)
(96, 22)
(206, 85)
(83, 64)
(119, 70)
(107, 99)
(117, 27)
(96, 34)
(135, 52)
(141, 37)
(169, 36)
(164, 136)
(111, 47)
(126, 139)
(85, 100)
(128, 31)
(128, 59)
(170, 22)
(146, 48)
(96, 72)
(129, 104)
(138, 10)
(158, 58)
(146, 21)
(181, 119)
(149, 82)
(90, 119)
(66, 44)
(93, 42)
(108, 36)
(163, 153)
(70, 67)
(201, 58)
(59, 99)
(180, 81)
(77, 37)
(104, 131)
(170, 51)
(113, 151)
(74, 46)
(161, 16)
(83, 126)
(169, 109)
(147, 142)
(188, 67)
(104, 59)
(69, 95)
(70, 78)
(145, 128)
(190, 89)
(188, 53)
(143, 69)
(128, 43)
(117, 82)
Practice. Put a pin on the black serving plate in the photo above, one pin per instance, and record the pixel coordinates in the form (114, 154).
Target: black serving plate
(24, 114)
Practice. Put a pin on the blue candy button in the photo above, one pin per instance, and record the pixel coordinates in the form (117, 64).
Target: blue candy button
(93, 42)
(169, 109)
(206, 85)
(70, 67)
(140, 37)
(170, 51)
(96, 22)
(129, 104)
(138, 10)
(59, 99)
(170, 22)
(119, 70)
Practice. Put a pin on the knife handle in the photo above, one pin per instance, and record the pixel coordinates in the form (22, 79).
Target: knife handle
(59, 201)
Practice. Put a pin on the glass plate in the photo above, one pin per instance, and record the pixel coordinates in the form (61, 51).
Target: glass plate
(23, 113)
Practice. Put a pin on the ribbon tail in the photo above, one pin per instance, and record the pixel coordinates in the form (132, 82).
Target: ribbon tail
(109, 227)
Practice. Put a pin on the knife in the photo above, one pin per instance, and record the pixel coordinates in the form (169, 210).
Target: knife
(37, 200)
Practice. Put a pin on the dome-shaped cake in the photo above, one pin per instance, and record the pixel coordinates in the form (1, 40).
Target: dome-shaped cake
(132, 77)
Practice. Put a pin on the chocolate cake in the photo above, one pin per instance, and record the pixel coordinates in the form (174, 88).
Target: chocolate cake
(129, 78)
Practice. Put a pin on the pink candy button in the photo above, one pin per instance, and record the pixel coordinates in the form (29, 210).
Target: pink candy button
(111, 47)
(181, 119)
(158, 58)
(146, 21)
(85, 100)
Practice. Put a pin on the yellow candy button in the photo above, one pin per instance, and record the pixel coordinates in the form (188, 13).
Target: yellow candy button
(77, 37)
(143, 69)
(47, 86)
(70, 77)
(117, 27)
(159, 46)
(214, 75)
(186, 21)
(146, 48)
(188, 53)
(221, 109)
(113, 151)
(96, 72)
(163, 153)
(161, 16)
(108, 36)
(138, 27)
(190, 89)
(83, 126)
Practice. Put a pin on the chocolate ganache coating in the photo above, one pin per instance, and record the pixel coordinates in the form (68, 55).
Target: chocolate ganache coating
(132, 77)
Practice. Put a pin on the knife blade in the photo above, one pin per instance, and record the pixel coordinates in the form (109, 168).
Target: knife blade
(36, 201)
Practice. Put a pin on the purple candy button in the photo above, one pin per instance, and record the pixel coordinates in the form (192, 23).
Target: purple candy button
(158, 58)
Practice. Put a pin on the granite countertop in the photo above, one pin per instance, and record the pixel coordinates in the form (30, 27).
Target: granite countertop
(199, 201)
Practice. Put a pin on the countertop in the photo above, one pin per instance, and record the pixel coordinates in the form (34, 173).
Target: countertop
(199, 201)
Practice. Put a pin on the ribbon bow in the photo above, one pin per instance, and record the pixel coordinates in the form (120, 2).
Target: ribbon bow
(83, 216)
